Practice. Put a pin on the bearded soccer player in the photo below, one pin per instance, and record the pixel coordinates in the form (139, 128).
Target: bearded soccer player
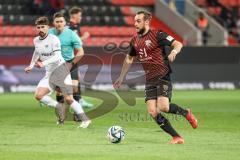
(48, 50)
(148, 48)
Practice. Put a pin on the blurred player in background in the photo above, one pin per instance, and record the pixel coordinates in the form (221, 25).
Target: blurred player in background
(75, 14)
(148, 48)
(70, 43)
(47, 54)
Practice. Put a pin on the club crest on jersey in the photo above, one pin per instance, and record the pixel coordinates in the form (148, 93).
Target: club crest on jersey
(165, 87)
(169, 38)
(46, 46)
(148, 42)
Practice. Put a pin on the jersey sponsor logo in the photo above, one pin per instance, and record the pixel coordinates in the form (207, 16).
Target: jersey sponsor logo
(169, 38)
(143, 55)
(148, 42)
(46, 46)
(46, 54)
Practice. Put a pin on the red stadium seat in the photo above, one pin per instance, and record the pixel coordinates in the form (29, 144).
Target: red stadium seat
(101, 41)
(19, 30)
(115, 31)
(8, 30)
(129, 20)
(29, 31)
(126, 10)
(29, 41)
(21, 41)
(201, 3)
(133, 2)
(232, 41)
(12, 41)
(233, 3)
(224, 2)
(214, 10)
(1, 20)
(1, 31)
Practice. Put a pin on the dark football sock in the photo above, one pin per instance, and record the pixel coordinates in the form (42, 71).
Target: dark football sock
(165, 125)
(175, 109)
(60, 99)
(76, 96)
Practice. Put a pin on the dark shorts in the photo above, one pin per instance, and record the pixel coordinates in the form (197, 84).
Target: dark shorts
(159, 86)
(74, 71)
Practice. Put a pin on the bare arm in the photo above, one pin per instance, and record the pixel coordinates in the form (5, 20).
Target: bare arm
(85, 36)
(177, 46)
(33, 61)
(126, 65)
(79, 55)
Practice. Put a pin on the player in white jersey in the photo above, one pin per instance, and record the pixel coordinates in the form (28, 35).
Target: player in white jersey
(47, 54)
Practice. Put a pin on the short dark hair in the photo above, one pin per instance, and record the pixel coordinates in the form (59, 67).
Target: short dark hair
(75, 10)
(58, 15)
(147, 15)
(42, 21)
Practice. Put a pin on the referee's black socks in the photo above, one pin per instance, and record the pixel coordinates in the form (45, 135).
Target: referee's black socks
(165, 125)
(60, 98)
(77, 95)
(175, 109)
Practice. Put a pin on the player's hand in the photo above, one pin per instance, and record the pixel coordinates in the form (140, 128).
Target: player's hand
(85, 35)
(118, 82)
(39, 64)
(28, 69)
(172, 56)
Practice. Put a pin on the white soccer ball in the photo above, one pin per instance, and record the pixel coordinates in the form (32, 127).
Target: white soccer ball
(115, 134)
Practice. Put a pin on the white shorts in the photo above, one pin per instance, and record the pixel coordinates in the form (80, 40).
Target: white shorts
(66, 86)
(44, 83)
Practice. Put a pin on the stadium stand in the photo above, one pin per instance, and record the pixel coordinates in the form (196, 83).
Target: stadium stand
(227, 13)
(106, 21)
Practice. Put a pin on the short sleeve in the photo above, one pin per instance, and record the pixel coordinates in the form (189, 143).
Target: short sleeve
(164, 39)
(76, 41)
(132, 51)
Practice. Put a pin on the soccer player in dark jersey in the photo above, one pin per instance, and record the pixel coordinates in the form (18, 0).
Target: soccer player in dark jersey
(147, 46)
(75, 14)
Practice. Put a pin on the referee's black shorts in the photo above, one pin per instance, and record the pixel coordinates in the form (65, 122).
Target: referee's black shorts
(159, 86)
(74, 71)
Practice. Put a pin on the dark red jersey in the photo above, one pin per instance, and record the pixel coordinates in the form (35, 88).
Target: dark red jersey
(149, 50)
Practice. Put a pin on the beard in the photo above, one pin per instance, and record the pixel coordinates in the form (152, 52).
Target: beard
(42, 34)
(141, 31)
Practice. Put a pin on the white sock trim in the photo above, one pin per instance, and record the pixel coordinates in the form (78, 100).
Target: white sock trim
(47, 100)
(76, 107)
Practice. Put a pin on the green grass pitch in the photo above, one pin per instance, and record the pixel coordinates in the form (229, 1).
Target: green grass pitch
(29, 132)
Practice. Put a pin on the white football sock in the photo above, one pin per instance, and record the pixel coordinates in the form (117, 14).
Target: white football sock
(47, 100)
(76, 107)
